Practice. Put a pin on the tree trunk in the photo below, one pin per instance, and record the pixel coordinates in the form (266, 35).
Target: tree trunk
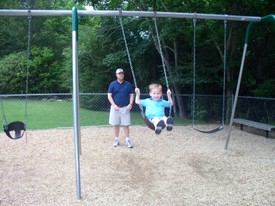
(180, 103)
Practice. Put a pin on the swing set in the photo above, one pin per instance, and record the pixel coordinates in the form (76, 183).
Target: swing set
(74, 13)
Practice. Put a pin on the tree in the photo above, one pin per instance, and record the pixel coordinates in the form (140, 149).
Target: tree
(102, 49)
(13, 73)
(177, 43)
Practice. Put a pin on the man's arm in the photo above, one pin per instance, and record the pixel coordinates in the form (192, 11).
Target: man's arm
(110, 98)
(131, 99)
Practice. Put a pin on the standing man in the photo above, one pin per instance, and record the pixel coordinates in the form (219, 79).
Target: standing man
(121, 97)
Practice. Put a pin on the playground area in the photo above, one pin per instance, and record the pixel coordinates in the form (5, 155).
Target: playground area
(182, 167)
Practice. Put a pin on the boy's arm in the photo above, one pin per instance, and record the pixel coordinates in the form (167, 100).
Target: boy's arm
(170, 97)
(137, 99)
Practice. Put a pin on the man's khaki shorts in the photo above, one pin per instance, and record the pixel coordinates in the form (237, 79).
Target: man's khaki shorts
(121, 117)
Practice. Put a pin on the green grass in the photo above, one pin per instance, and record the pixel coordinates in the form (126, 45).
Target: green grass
(53, 114)
(46, 114)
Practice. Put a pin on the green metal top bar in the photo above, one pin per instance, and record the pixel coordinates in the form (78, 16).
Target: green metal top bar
(74, 19)
(7, 12)
(269, 18)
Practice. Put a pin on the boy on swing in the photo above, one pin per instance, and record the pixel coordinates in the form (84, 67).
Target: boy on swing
(155, 107)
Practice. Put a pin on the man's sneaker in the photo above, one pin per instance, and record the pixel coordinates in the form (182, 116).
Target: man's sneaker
(169, 123)
(159, 127)
(128, 144)
(116, 143)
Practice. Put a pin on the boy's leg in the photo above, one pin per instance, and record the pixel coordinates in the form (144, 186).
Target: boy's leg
(164, 118)
(169, 123)
(159, 125)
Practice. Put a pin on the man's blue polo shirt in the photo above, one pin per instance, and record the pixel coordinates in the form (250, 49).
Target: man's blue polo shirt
(121, 92)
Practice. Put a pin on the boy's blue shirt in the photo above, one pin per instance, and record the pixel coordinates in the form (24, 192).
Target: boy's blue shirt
(154, 108)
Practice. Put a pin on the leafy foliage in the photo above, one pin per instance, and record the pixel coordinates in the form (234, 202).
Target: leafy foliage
(102, 50)
(12, 71)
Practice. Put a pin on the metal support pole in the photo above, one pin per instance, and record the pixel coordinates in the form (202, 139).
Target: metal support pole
(268, 18)
(236, 96)
(76, 99)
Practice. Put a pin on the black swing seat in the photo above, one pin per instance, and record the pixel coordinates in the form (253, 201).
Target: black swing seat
(219, 128)
(18, 127)
(147, 121)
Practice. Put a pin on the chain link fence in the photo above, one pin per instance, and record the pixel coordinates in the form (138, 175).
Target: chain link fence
(43, 111)
(256, 109)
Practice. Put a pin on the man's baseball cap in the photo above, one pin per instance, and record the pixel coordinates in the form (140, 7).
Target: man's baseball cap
(119, 71)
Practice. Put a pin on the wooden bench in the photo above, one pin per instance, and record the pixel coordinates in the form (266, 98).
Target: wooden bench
(258, 125)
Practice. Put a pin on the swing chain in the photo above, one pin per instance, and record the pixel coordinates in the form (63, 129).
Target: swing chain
(160, 51)
(194, 69)
(127, 50)
(224, 66)
(28, 63)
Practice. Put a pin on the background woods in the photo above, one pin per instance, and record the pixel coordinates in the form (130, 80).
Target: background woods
(102, 49)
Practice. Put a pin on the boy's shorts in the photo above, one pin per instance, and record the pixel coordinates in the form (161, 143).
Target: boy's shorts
(120, 117)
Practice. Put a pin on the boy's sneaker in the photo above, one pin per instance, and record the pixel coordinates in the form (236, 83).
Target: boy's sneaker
(128, 144)
(169, 123)
(159, 127)
(116, 143)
